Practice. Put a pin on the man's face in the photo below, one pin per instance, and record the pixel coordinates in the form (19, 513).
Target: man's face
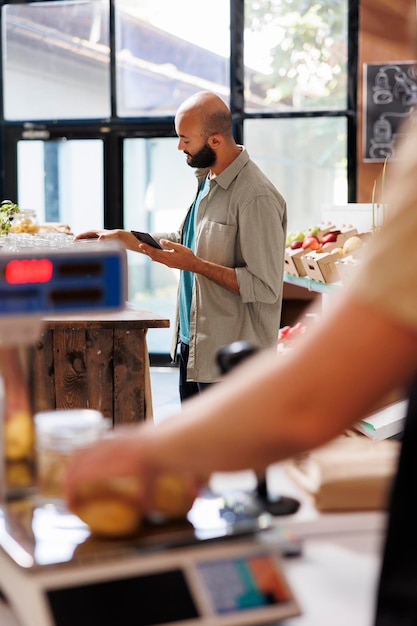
(193, 142)
(205, 157)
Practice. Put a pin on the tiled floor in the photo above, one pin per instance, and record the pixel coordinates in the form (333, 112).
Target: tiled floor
(165, 395)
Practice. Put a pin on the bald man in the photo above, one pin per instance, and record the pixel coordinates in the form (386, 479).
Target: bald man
(229, 248)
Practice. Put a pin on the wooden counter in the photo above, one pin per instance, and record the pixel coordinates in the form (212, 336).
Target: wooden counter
(94, 361)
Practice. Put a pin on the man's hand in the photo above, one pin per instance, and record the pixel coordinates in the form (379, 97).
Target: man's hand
(174, 255)
(180, 257)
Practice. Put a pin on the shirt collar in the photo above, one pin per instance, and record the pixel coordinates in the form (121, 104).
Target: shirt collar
(225, 178)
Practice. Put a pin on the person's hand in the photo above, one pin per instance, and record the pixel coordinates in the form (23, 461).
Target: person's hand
(174, 255)
(117, 476)
(89, 234)
(124, 237)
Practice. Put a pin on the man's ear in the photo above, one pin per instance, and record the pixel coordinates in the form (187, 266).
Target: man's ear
(214, 140)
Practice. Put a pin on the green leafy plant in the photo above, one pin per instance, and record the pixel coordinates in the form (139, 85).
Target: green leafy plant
(7, 211)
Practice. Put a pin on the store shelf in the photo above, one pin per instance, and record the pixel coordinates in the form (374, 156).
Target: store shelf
(310, 284)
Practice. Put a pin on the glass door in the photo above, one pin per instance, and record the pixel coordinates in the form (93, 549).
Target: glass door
(158, 188)
(62, 180)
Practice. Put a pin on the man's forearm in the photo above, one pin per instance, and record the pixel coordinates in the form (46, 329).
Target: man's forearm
(223, 276)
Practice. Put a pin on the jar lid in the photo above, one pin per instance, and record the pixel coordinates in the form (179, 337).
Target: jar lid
(69, 428)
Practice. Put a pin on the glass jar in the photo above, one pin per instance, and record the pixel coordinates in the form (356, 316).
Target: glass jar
(25, 221)
(58, 434)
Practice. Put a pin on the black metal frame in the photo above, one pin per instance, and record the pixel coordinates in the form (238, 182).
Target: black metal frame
(112, 131)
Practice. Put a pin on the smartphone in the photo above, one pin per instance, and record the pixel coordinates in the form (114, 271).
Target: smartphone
(146, 238)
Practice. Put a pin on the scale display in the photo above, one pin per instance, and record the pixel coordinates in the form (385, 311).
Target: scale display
(70, 279)
(245, 586)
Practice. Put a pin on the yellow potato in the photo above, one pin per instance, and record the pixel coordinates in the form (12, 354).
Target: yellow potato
(352, 244)
(110, 508)
(18, 435)
(171, 495)
(109, 516)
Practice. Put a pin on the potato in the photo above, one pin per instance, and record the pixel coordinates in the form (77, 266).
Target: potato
(109, 507)
(352, 244)
(18, 435)
(109, 516)
(171, 496)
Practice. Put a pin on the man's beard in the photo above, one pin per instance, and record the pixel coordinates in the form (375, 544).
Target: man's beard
(206, 157)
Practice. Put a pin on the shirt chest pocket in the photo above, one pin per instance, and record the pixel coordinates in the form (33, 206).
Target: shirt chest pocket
(216, 243)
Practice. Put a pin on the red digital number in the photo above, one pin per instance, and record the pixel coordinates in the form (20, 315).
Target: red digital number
(24, 271)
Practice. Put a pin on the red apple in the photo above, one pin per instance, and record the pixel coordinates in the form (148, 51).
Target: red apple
(311, 242)
(296, 244)
(329, 238)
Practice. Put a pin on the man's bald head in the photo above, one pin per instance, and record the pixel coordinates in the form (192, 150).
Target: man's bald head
(209, 111)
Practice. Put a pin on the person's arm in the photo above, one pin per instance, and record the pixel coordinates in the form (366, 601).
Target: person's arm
(223, 276)
(269, 408)
(125, 237)
(262, 244)
(180, 257)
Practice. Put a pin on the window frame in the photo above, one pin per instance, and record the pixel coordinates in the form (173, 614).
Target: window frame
(112, 131)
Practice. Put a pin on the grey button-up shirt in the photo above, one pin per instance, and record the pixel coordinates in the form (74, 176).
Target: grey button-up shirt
(241, 223)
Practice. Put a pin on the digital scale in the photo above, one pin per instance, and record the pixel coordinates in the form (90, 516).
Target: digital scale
(73, 279)
(224, 572)
(222, 566)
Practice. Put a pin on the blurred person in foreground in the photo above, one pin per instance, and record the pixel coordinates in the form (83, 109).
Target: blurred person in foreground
(229, 249)
(271, 408)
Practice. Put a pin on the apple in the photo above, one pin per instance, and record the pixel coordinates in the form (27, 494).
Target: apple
(312, 230)
(329, 238)
(296, 244)
(294, 235)
(312, 242)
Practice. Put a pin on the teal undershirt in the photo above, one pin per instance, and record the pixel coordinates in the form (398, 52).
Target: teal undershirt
(187, 278)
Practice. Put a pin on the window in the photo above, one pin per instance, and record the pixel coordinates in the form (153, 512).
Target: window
(166, 51)
(90, 90)
(56, 58)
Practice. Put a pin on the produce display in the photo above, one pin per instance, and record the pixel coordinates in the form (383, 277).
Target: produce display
(318, 251)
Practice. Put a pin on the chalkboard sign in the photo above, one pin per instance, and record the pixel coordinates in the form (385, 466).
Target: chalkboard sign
(390, 97)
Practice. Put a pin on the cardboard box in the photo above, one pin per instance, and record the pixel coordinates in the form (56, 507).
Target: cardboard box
(324, 229)
(345, 233)
(346, 268)
(293, 261)
(320, 266)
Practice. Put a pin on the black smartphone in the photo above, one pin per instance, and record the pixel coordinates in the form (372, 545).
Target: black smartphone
(146, 238)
